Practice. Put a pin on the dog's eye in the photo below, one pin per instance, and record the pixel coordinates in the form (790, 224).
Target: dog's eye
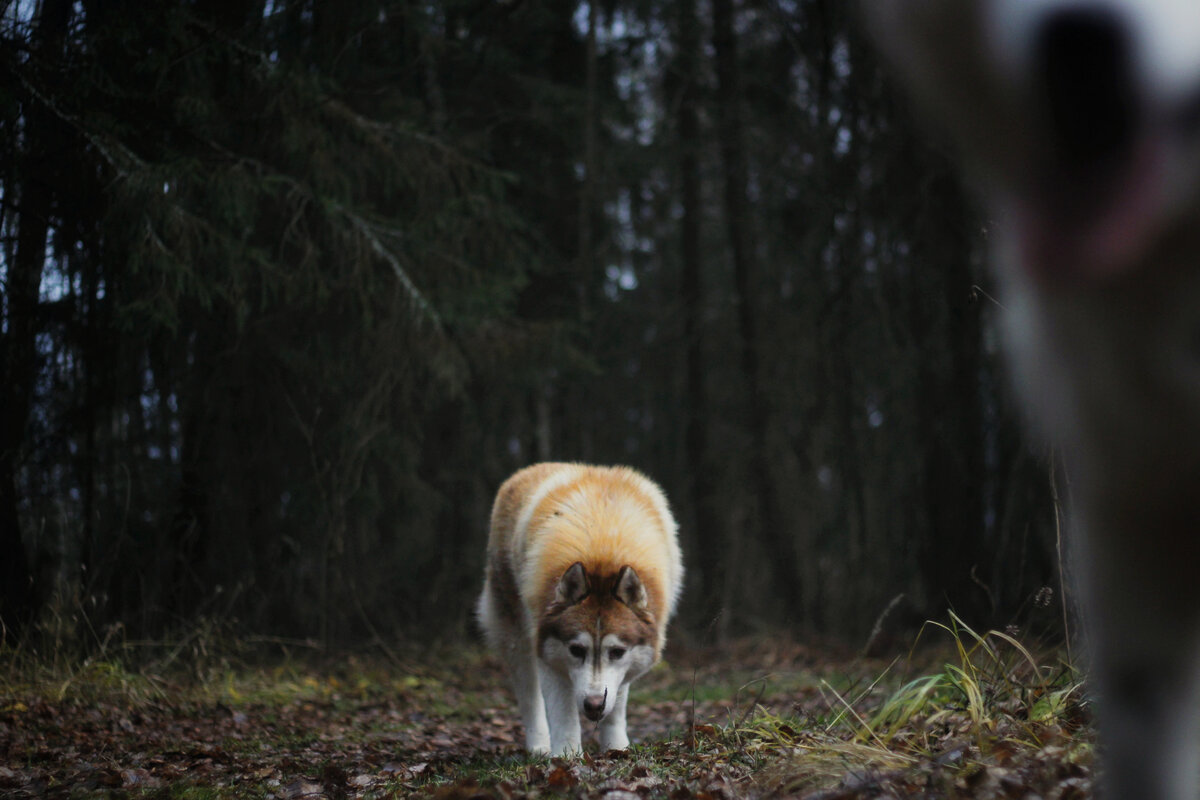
(578, 650)
(615, 653)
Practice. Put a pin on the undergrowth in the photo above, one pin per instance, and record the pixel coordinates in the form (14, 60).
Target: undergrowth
(963, 713)
(992, 710)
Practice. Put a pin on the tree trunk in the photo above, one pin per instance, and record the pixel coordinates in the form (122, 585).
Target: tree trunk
(18, 349)
(201, 417)
(587, 194)
(953, 557)
(577, 396)
(710, 543)
(778, 542)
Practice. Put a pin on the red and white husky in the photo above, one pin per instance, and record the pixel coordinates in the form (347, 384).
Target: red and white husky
(583, 572)
(1082, 120)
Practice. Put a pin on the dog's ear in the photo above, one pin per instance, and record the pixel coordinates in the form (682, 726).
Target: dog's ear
(573, 586)
(629, 588)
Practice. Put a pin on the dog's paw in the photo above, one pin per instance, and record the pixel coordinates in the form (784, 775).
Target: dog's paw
(613, 740)
(566, 749)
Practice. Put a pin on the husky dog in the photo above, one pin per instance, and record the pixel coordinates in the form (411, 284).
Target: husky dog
(583, 573)
(1081, 120)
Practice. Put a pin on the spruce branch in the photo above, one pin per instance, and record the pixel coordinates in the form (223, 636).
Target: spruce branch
(123, 166)
(366, 229)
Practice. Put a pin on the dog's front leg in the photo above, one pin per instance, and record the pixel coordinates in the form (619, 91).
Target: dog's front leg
(613, 734)
(1149, 717)
(561, 712)
(522, 666)
(1140, 587)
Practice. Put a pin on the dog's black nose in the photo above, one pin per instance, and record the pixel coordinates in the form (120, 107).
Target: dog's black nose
(1083, 69)
(593, 706)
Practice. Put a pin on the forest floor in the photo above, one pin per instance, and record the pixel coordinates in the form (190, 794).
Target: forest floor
(978, 718)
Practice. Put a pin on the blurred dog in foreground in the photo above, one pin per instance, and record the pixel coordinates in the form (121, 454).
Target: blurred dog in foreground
(1080, 119)
(583, 572)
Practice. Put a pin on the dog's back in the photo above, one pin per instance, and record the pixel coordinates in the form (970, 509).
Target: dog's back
(1081, 120)
(548, 516)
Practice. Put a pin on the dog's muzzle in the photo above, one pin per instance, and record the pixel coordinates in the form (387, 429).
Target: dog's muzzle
(593, 706)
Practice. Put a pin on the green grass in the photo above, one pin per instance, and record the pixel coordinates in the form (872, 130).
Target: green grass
(990, 704)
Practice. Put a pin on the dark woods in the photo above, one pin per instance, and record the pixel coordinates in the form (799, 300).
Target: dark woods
(289, 287)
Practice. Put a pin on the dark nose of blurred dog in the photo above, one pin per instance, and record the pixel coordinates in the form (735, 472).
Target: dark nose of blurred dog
(593, 706)
(1084, 79)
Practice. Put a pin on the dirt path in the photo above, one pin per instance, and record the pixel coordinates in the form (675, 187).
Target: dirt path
(758, 720)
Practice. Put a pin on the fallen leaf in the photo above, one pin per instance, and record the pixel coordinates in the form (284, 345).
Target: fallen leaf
(134, 777)
(1071, 789)
(463, 790)
(562, 778)
(109, 777)
(301, 788)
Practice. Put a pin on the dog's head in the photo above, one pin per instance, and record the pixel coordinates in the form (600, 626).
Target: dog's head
(1081, 117)
(599, 633)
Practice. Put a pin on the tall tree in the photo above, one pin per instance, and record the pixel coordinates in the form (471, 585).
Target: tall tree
(945, 304)
(731, 140)
(44, 144)
(702, 483)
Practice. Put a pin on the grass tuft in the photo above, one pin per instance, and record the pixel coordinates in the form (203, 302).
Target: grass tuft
(993, 699)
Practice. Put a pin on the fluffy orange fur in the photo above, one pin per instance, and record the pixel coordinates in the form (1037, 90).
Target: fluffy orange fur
(602, 517)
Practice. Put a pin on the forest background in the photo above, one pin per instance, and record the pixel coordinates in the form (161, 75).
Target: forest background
(288, 287)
